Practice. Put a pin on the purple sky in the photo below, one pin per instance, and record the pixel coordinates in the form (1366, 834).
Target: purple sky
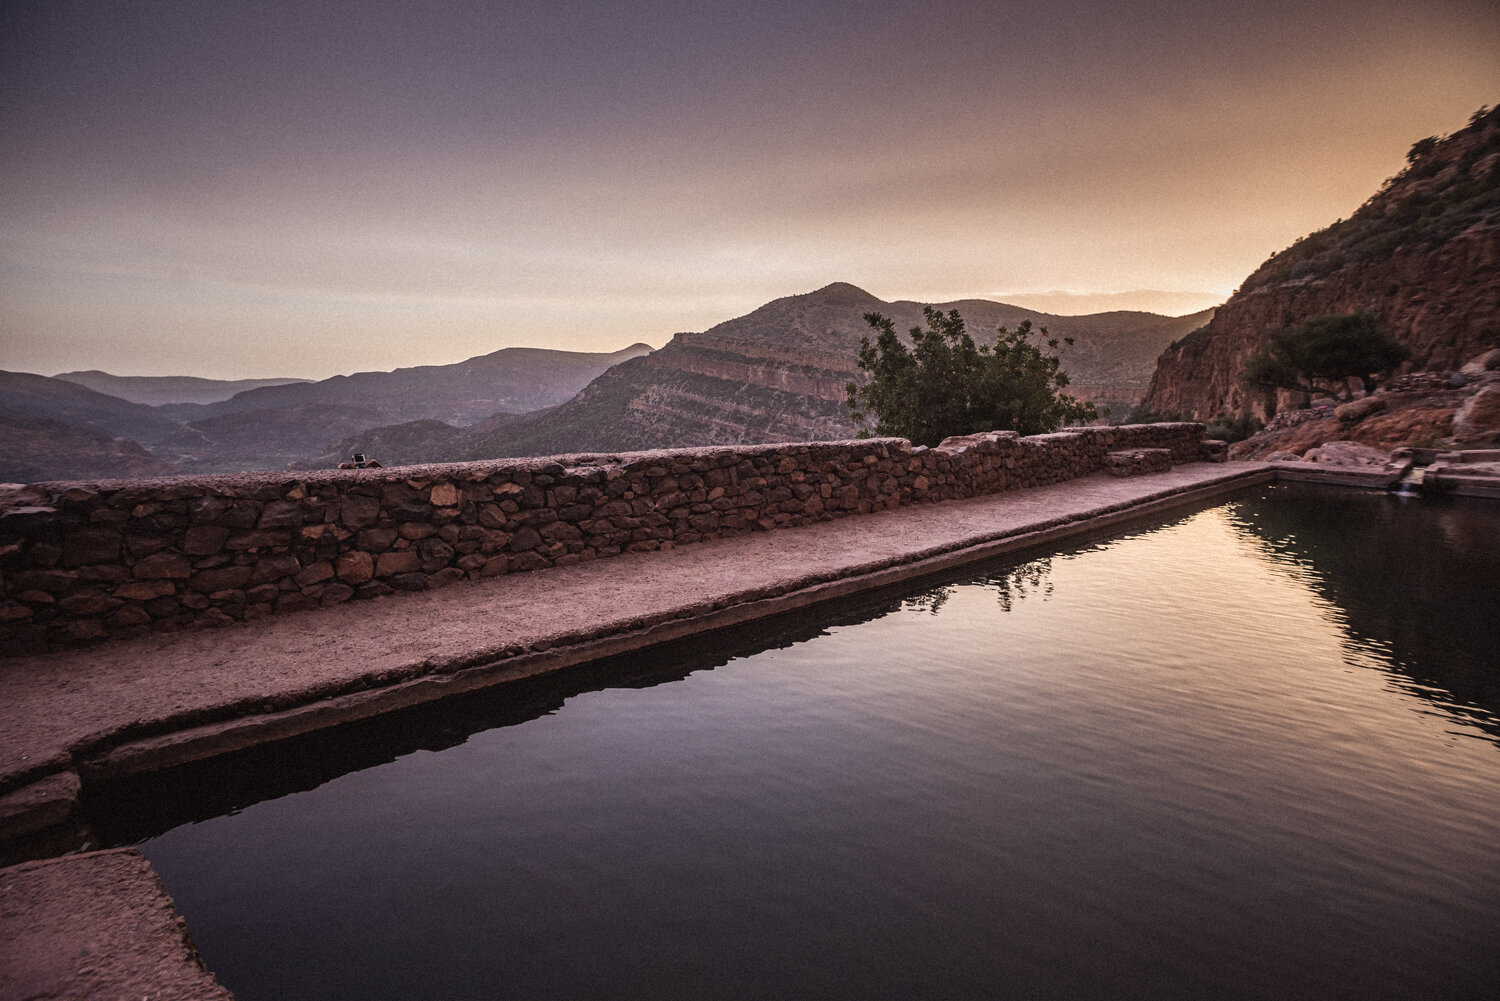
(237, 189)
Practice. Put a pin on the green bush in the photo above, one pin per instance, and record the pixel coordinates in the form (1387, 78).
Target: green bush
(1320, 354)
(1232, 427)
(947, 385)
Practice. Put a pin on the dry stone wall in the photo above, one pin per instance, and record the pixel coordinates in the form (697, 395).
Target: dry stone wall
(81, 562)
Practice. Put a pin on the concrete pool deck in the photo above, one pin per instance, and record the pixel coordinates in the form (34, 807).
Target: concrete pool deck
(96, 926)
(139, 705)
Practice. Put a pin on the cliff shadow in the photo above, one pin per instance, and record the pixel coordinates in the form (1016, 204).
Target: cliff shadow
(1416, 578)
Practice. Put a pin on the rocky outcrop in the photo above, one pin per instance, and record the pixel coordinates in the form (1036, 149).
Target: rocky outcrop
(1477, 422)
(1424, 409)
(1422, 255)
(1347, 453)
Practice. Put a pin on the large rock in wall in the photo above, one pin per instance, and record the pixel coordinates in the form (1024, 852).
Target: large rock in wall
(84, 561)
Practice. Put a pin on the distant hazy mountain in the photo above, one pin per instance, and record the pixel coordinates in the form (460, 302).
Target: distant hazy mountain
(1147, 300)
(511, 380)
(269, 426)
(155, 390)
(25, 395)
(36, 448)
(775, 374)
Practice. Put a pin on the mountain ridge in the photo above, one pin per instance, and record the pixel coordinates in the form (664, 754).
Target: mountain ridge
(156, 390)
(515, 380)
(267, 427)
(777, 373)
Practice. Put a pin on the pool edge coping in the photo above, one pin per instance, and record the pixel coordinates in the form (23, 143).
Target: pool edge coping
(198, 742)
(195, 743)
(47, 801)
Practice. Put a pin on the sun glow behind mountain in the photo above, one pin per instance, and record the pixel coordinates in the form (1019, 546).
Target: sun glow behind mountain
(231, 191)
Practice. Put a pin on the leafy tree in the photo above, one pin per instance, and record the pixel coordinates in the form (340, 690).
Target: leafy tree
(947, 385)
(1321, 355)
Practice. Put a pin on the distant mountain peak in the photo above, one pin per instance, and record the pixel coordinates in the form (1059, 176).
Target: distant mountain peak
(842, 290)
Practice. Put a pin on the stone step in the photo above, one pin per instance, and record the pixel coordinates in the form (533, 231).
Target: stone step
(1138, 461)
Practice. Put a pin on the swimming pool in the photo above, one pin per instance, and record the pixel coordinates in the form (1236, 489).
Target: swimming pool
(1252, 751)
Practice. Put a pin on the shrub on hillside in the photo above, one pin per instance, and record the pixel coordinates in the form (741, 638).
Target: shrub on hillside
(948, 385)
(1234, 427)
(1320, 355)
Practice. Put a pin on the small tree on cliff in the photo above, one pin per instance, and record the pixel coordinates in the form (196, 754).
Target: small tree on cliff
(947, 385)
(1321, 355)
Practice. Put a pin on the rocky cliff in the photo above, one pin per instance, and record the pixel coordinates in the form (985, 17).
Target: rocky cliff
(1422, 255)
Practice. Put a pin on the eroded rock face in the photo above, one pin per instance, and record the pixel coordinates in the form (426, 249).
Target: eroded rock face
(1422, 255)
(1478, 423)
(1443, 303)
(1424, 409)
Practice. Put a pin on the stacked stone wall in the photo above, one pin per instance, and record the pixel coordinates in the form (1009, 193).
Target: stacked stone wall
(81, 562)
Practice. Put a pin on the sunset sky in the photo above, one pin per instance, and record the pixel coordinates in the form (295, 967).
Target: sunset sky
(236, 189)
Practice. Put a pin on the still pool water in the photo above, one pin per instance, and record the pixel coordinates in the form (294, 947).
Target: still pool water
(1250, 752)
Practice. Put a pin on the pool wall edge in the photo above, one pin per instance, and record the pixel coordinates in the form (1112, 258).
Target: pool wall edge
(197, 743)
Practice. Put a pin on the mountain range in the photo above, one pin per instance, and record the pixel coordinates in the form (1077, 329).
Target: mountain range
(155, 390)
(775, 374)
(87, 433)
(1422, 255)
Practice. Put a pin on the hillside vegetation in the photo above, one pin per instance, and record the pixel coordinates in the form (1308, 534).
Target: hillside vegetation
(1448, 185)
(1421, 257)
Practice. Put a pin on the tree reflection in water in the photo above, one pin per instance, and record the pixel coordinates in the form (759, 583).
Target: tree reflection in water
(1011, 585)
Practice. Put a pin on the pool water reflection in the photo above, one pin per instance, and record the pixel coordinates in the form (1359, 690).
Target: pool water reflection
(1215, 756)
